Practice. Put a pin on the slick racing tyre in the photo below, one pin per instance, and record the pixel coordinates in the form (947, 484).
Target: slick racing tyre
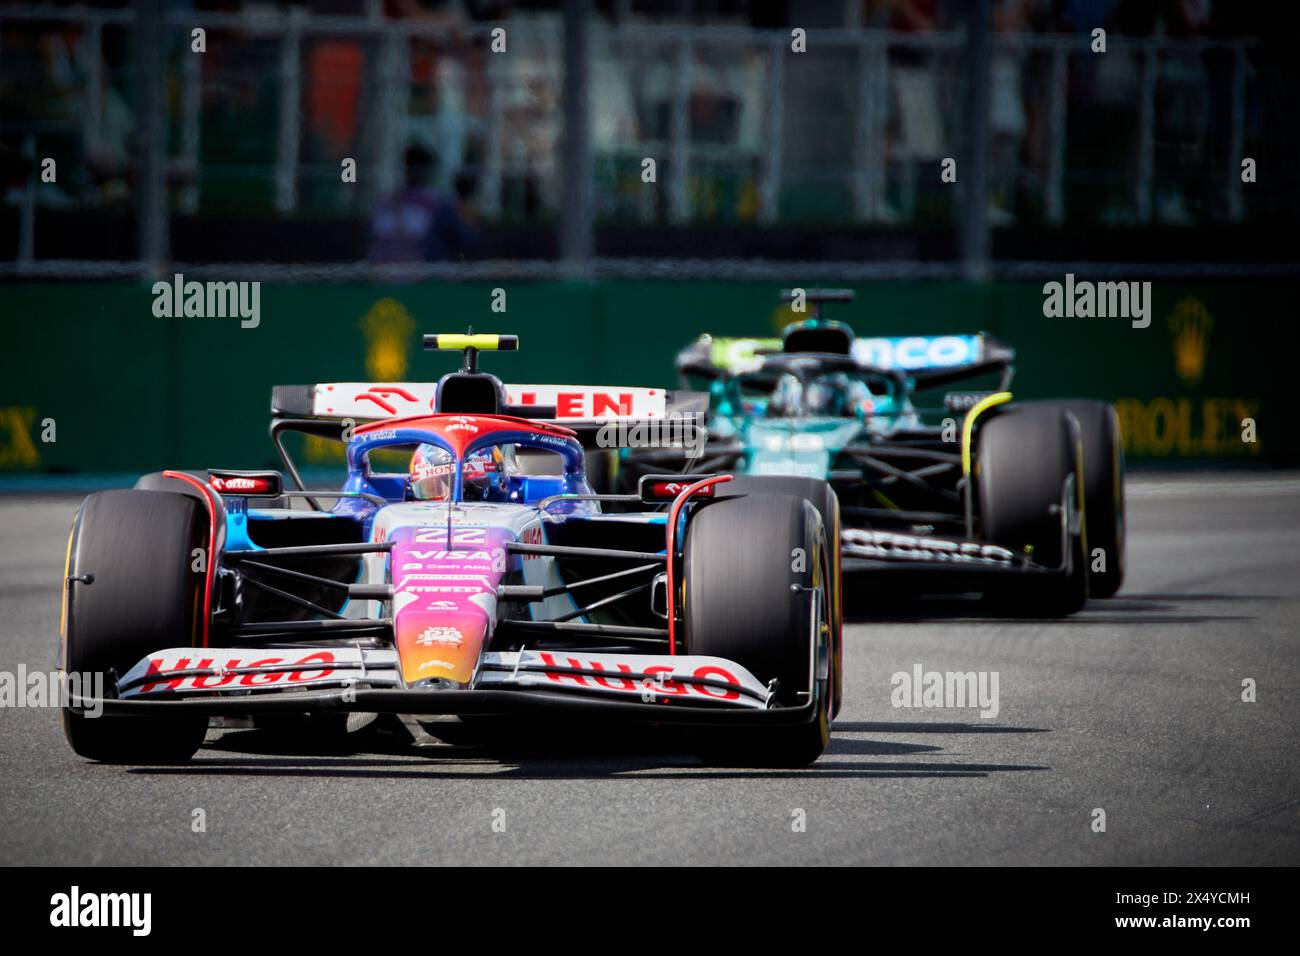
(827, 503)
(133, 551)
(1103, 493)
(1026, 457)
(757, 591)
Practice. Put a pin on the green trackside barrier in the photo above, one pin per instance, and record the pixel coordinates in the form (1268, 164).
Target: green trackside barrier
(91, 381)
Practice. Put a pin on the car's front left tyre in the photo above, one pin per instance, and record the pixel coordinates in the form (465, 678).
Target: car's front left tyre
(1029, 484)
(758, 590)
(1103, 492)
(827, 503)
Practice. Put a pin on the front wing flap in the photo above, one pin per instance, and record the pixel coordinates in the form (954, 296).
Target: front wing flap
(956, 559)
(909, 549)
(252, 675)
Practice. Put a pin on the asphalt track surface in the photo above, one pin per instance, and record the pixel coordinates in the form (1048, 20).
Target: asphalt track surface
(1133, 707)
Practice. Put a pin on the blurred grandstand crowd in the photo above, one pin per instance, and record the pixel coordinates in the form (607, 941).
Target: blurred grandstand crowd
(458, 147)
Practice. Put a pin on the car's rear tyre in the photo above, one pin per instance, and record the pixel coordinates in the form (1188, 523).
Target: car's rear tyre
(827, 503)
(1103, 493)
(138, 546)
(755, 572)
(1025, 457)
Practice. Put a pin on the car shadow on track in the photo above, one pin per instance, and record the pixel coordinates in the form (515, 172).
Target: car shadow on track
(583, 770)
(863, 727)
(536, 754)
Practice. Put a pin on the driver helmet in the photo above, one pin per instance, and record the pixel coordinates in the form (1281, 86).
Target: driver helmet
(432, 468)
(824, 396)
(837, 396)
(786, 398)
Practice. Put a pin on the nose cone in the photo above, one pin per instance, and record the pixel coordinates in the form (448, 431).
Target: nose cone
(441, 644)
(444, 599)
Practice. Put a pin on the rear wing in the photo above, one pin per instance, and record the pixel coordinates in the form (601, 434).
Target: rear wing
(721, 357)
(573, 406)
(931, 361)
(928, 361)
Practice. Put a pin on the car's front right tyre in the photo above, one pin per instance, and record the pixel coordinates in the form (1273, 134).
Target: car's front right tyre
(132, 588)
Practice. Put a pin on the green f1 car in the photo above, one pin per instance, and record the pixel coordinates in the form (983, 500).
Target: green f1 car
(1022, 502)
